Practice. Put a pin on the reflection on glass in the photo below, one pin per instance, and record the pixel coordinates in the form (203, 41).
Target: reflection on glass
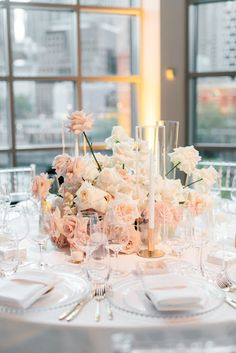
(4, 130)
(42, 159)
(111, 105)
(109, 44)
(216, 107)
(111, 3)
(4, 160)
(216, 37)
(40, 108)
(43, 42)
(3, 43)
(49, 1)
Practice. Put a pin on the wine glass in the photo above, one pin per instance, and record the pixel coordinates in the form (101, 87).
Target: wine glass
(88, 232)
(4, 205)
(179, 238)
(117, 233)
(9, 254)
(98, 265)
(201, 233)
(38, 221)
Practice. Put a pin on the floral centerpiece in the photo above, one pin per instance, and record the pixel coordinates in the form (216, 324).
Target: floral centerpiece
(104, 183)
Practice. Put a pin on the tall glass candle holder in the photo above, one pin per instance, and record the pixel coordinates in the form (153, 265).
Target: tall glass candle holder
(153, 137)
(171, 142)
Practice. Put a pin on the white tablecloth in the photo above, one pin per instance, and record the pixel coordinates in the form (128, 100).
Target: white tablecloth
(43, 332)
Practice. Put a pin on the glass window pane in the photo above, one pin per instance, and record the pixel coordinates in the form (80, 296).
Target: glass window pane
(40, 108)
(49, 1)
(111, 3)
(3, 43)
(42, 159)
(4, 114)
(4, 160)
(111, 104)
(110, 44)
(44, 42)
(216, 110)
(216, 47)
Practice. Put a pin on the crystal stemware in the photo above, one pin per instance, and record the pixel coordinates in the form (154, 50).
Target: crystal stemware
(117, 233)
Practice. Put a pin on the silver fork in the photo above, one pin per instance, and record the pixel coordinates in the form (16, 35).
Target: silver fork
(225, 284)
(222, 285)
(99, 296)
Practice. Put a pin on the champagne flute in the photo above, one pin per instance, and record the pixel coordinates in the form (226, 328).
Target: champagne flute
(38, 231)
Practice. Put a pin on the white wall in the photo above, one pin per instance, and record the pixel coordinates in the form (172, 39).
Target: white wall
(173, 54)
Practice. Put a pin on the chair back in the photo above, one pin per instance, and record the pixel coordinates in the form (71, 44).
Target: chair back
(17, 181)
(226, 171)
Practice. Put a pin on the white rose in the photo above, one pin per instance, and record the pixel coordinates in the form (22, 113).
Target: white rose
(89, 196)
(186, 158)
(118, 135)
(90, 171)
(124, 154)
(124, 209)
(208, 176)
(170, 191)
(109, 180)
(104, 160)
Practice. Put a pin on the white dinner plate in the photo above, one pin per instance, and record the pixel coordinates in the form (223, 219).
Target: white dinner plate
(68, 290)
(129, 296)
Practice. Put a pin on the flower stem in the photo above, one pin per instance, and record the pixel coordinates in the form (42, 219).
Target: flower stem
(91, 149)
(194, 182)
(175, 166)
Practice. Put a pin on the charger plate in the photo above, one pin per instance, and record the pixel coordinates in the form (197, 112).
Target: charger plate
(68, 290)
(129, 296)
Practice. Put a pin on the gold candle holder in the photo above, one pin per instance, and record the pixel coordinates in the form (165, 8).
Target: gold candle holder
(151, 252)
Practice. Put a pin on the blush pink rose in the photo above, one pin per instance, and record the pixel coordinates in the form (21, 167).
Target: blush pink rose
(60, 164)
(69, 225)
(79, 122)
(41, 185)
(55, 229)
(78, 167)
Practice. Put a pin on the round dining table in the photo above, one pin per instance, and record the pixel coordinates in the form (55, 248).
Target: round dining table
(37, 332)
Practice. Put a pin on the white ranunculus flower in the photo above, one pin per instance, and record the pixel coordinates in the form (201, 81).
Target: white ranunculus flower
(208, 176)
(89, 196)
(118, 135)
(124, 154)
(104, 160)
(187, 157)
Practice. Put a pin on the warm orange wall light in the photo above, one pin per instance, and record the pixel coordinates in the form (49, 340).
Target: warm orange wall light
(150, 63)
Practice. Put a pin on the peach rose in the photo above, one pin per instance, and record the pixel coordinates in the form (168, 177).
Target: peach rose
(124, 209)
(55, 229)
(69, 225)
(41, 185)
(60, 164)
(79, 122)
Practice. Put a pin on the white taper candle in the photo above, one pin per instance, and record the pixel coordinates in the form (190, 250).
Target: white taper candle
(151, 191)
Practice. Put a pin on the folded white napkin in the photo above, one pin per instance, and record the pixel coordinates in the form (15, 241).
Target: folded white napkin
(23, 289)
(172, 293)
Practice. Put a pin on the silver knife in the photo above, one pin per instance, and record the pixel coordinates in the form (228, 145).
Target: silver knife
(78, 309)
(231, 302)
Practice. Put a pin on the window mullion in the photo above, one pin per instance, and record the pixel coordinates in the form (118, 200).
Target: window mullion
(10, 86)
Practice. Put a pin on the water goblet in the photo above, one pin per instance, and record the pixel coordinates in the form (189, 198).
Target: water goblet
(117, 233)
(88, 232)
